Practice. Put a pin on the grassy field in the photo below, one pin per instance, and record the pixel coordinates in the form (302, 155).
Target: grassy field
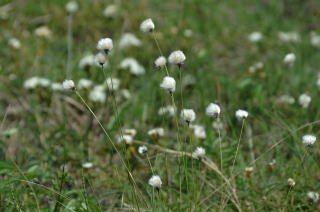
(77, 151)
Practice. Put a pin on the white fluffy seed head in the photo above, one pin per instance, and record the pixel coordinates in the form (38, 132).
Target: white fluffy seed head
(155, 181)
(309, 140)
(169, 84)
(199, 131)
(97, 94)
(133, 65)
(110, 11)
(72, 6)
(169, 110)
(313, 196)
(14, 43)
(68, 85)
(112, 83)
(147, 25)
(87, 61)
(156, 132)
(177, 58)
(291, 182)
(100, 59)
(199, 153)
(84, 84)
(160, 62)
(105, 45)
(87, 165)
(255, 37)
(241, 114)
(304, 100)
(213, 110)
(142, 150)
(129, 39)
(289, 59)
(188, 115)
(55, 86)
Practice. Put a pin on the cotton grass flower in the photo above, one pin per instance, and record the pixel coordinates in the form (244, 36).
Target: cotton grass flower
(68, 85)
(105, 45)
(87, 61)
(291, 182)
(285, 99)
(87, 165)
(315, 40)
(128, 139)
(133, 65)
(97, 94)
(147, 25)
(213, 110)
(100, 59)
(142, 150)
(199, 153)
(160, 62)
(289, 36)
(112, 84)
(313, 196)
(188, 115)
(155, 182)
(304, 100)
(31, 83)
(84, 84)
(248, 171)
(128, 40)
(255, 37)
(169, 84)
(131, 132)
(43, 32)
(110, 11)
(199, 131)
(55, 86)
(72, 7)
(156, 133)
(309, 140)
(177, 58)
(241, 114)
(14, 43)
(289, 59)
(166, 110)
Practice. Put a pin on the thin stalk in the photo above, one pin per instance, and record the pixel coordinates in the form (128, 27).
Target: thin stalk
(69, 59)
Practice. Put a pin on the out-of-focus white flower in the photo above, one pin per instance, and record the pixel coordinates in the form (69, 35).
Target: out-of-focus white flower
(289, 59)
(241, 114)
(72, 7)
(286, 99)
(304, 100)
(218, 124)
(291, 182)
(255, 37)
(14, 43)
(129, 39)
(133, 66)
(97, 94)
(125, 93)
(43, 82)
(313, 196)
(309, 140)
(87, 61)
(43, 32)
(188, 33)
(142, 150)
(100, 59)
(199, 153)
(199, 131)
(318, 82)
(169, 84)
(105, 45)
(213, 110)
(188, 115)
(110, 11)
(169, 109)
(55, 86)
(113, 84)
(256, 67)
(68, 85)
(248, 171)
(177, 58)
(155, 182)
(289, 36)
(315, 40)
(131, 132)
(156, 132)
(87, 165)
(84, 84)
(160, 62)
(147, 25)
(128, 139)
(31, 83)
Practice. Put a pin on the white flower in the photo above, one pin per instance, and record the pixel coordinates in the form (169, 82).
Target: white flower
(100, 59)
(289, 36)
(241, 114)
(286, 99)
(142, 150)
(31, 83)
(87, 165)
(72, 6)
(131, 132)
(97, 94)
(169, 109)
(133, 66)
(255, 37)
(43, 32)
(125, 93)
(169, 84)
(199, 153)
(318, 82)
(213, 110)
(188, 33)
(291, 182)
(55, 86)
(304, 100)
(84, 84)
(113, 84)
(289, 59)
(315, 40)
(199, 131)
(128, 139)
(44, 82)
(218, 124)
(129, 39)
(147, 25)
(188, 115)
(155, 181)
(87, 61)
(156, 132)
(105, 45)
(14, 43)
(313, 196)
(110, 11)
(160, 62)
(68, 85)
(177, 58)
(309, 140)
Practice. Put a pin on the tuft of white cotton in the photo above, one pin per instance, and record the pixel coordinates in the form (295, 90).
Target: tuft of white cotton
(68, 85)
(55, 86)
(100, 59)
(255, 37)
(309, 140)
(131, 132)
(188, 33)
(188, 115)
(218, 125)
(289, 36)
(199, 153)
(110, 11)
(43, 82)
(304, 100)
(199, 131)
(177, 58)
(87, 61)
(84, 84)
(14, 43)
(125, 93)
(128, 40)
(128, 139)
(213, 110)
(43, 32)
(318, 83)
(142, 150)
(167, 110)
(313, 196)
(156, 132)
(87, 165)
(31, 83)
(289, 59)
(132, 64)
(105, 45)
(72, 7)
(160, 62)
(286, 99)
(147, 25)
(169, 84)
(241, 114)
(291, 182)
(97, 94)
(315, 40)
(112, 83)
(155, 181)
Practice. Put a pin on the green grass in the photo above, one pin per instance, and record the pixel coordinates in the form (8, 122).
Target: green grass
(42, 131)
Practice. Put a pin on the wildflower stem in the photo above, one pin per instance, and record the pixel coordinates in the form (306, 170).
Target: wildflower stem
(69, 59)
(238, 145)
